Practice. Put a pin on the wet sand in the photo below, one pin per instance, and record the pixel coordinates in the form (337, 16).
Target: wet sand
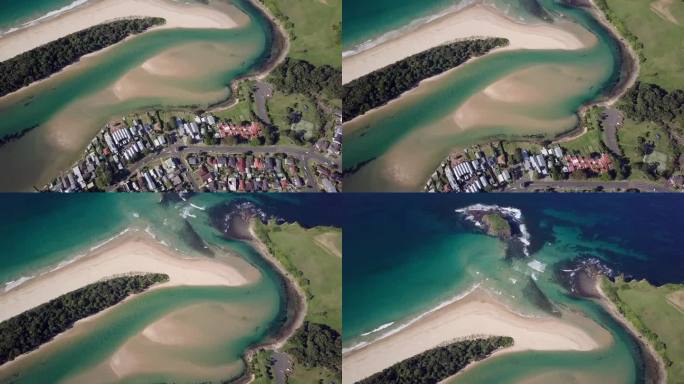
(478, 314)
(177, 15)
(186, 343)
(129, 253)
(474, 21)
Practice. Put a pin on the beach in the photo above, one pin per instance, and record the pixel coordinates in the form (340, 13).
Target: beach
(132, 252)
(471, 22)
(177, 15)
(477, 314)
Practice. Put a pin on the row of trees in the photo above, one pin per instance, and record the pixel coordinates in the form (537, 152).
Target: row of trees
(47, 59)
(381, 86)
(439, 363)
(317, 345)
(27, 331)
(299, 76)
(650, 102)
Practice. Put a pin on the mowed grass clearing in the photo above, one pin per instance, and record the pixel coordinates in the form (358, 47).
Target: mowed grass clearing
(653, 307)
(628, 139)
(320, 270)
(663, 40)
(314, 27)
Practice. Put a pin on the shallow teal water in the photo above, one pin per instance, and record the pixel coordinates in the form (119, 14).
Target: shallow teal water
(14, 13)
(407, 253)
(423, 122)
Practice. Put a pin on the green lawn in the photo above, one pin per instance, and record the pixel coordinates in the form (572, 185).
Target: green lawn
(314, 27)
(647, 306)
(319, 269)
(277, 110)
(590, 141)
(301, 375)
(242, 111)
(628, 137)
(663, 40)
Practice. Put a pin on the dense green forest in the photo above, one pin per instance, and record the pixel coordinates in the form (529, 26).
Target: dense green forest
(317, 345)
(47, 59)
(27, 331)
(299, 76)
(650, 102)
(439, 363)
(381, 86)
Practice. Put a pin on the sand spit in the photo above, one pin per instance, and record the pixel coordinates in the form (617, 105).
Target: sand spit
(131, 252)
(177, 15)
(476, 314)
(474, 21)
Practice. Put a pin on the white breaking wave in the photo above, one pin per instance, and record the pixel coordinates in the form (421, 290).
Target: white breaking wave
(15, 283)
(380, 328)
(46, 16)
(198, 207)
(510, 212)
(392, 331)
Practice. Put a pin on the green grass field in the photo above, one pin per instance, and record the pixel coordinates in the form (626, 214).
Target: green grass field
(590, 141)
(650, 307)
(314, 27)
(277, 109)
(320, 267)
(663, 40)
(242, 111)
(628, 138)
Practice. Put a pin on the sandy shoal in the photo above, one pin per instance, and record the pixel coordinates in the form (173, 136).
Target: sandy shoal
(474, 21)
(177, 15)
(476, 314)
(126, 254)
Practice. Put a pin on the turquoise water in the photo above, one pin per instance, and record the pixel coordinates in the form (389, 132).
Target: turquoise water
(69, 108)
(14, 13)
(413, 135)
(407, 253)
(40, 232)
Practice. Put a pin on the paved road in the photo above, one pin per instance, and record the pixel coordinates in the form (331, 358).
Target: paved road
(612, 120)
(262, 91)
(280, 367)
(304, 154)
(623, 185)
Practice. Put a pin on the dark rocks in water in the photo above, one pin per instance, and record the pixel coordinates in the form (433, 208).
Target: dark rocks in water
(516, 249)
(538, 298)
(168, 199)
(233, 219)
(194, 240)
(504, 223)
(579, 275)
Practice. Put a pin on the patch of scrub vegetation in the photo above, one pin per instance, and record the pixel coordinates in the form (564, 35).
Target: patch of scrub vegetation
(383, 85)
(27, 331)
(652, 313)
(314, 27)
(316, 346)
(260, 366)
(439, 363)
(43, 61)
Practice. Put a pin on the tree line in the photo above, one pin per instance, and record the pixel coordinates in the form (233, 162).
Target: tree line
(650, 102)
(50, 58)
(27, 331)
(439, 363)
(300, 76)
(381, 86)
(317, 345)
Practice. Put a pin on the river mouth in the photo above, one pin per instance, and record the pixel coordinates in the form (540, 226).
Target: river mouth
(158, 69)
(529, 94)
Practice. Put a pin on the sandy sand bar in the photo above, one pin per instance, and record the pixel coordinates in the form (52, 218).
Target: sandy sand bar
(476, 314)
(131, 252)
(474, 21)
(94, 12)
